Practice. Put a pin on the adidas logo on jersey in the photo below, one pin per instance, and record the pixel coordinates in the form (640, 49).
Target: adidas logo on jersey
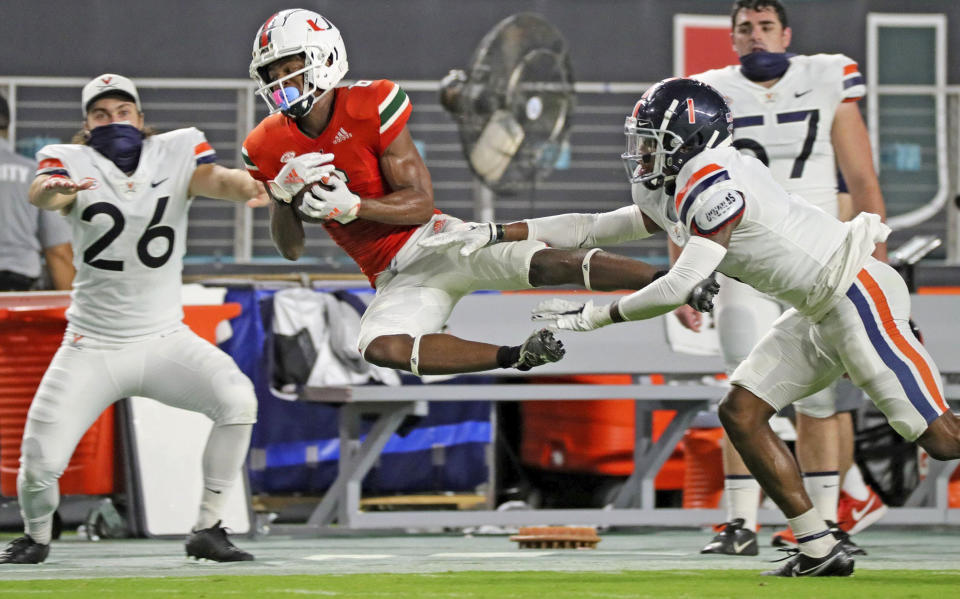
(342, 135)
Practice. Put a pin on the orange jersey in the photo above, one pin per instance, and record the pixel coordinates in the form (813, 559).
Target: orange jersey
(366, 118)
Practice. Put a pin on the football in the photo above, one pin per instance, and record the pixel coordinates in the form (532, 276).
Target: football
(298, 199)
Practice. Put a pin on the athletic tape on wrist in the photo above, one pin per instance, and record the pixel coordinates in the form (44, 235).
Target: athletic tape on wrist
(415, 356)
(585, 268)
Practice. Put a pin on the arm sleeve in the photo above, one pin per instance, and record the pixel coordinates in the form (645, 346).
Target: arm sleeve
(203, 152)
(49, 163)
(699, 258)
(853, 85)
(588, 230)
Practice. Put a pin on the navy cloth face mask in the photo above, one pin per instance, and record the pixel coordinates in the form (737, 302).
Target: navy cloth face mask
(120, 142)
(764, 66)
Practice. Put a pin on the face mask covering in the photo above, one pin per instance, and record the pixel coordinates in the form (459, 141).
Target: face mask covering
(764, 66)
(120, 142)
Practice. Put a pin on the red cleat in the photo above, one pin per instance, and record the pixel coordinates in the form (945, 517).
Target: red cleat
(783, 538)
(853, 516)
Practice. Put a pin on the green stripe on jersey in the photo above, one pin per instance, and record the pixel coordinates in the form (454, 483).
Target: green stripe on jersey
(387, 113)
(246, 158)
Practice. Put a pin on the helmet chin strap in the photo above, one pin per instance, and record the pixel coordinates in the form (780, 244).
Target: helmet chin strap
(303, 108)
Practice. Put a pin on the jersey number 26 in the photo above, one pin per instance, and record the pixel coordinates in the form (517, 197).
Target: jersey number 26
(153, 230)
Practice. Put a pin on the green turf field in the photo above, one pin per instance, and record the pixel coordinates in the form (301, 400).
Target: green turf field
(509, 585)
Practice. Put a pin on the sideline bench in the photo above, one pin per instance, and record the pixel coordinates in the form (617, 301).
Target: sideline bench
(639, 348)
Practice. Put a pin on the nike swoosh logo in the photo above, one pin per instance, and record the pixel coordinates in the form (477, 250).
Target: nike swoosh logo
(212, 491)
(857, 514)
(155, 183)
(738, 548)
(798, 94)
(816, 568)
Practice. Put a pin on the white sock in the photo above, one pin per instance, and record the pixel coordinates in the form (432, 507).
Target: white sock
(742, 494)
(224, 454)
(853, 484)
(824, 491)
(39, 529)
(39, 496)
(812, 534)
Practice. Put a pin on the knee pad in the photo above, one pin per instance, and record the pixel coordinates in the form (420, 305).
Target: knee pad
(821, 404)
(585, 268)
(35, 473)
(236, 400)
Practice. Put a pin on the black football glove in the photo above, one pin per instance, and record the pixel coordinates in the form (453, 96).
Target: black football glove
(701, 298)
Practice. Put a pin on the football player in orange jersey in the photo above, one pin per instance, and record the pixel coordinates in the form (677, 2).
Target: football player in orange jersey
(375, 199)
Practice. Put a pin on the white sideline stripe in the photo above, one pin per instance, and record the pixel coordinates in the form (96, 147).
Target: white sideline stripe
(510, 554)
(324, 557)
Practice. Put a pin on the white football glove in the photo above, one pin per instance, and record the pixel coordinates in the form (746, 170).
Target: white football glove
(470, 236)
(336, 203)
(572, 316)
(298, 172)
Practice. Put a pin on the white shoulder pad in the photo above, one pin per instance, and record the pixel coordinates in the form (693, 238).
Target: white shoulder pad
(716, 210)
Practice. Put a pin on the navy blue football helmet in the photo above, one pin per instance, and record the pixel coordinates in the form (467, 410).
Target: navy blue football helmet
(674, 121)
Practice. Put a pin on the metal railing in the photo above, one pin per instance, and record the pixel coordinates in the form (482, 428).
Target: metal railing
(47, 110)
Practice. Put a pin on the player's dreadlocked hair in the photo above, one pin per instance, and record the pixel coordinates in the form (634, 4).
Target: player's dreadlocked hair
(759, 5)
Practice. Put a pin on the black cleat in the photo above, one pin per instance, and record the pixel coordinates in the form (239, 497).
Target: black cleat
(24, 550)
(835, 563)
(540, 348)
(733, 539)
(844, 540)
(212, 543)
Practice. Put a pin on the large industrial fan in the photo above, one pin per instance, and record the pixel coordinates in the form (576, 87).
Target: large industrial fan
(513, 105)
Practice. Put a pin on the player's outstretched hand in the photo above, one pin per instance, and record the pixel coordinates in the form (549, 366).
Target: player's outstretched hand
(469, 236)
(701, 298)
(298, 172)
(261, 199)
(572, 316)
(64, 185)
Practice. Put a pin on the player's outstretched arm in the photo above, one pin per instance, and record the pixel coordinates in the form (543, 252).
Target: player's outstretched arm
(690, 280)
(215, 181)
(851, 142)
(563, 231)
(55, 192)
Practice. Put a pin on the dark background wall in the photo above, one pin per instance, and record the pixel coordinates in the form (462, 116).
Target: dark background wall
(611, 40)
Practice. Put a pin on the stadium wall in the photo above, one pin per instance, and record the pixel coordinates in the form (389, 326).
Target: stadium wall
(611, 40)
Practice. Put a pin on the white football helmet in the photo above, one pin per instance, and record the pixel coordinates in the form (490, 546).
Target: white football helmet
(288, 33)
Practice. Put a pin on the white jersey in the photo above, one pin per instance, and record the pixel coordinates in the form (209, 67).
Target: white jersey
(783, 246)
(788, 124)
(129, 233)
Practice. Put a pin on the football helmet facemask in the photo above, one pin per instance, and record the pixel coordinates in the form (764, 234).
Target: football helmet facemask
(295, 32)
(674, 121)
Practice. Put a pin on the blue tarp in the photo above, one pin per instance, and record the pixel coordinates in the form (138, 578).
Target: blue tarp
(297, 442)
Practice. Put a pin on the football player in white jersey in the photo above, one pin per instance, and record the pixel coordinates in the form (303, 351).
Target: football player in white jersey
(850, 311)
(798, 115)
(126, 193)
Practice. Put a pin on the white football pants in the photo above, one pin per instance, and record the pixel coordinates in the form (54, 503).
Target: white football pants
(87, 375)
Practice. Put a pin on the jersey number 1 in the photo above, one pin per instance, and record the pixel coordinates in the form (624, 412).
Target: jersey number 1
(154, 230)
